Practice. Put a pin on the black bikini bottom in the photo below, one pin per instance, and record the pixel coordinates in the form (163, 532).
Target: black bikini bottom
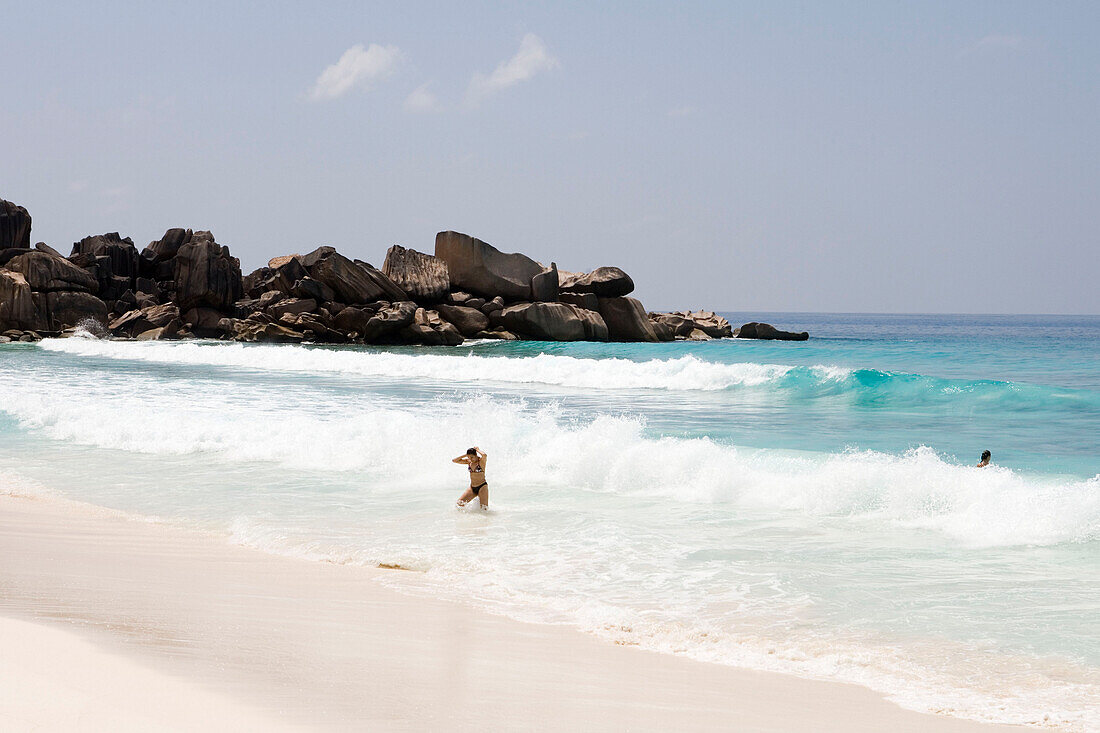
(475, 489)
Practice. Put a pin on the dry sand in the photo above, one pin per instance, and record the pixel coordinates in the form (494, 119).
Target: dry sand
(109, 623)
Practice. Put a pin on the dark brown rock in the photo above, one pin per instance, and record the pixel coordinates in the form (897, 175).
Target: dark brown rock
(679, 325)
(69, 308)
(254, 283)
(291, 305)
(423, 277)
(353, 320)
(351, 282)
(626, 320)
(46, 273)
(207, 275)
(710, 323)
(168, 246)
(429, 329)
(121, 254)
(17, 306)
(663, 331)
(7, 255)
(467, 320)
(483, 269)
(544, 286)
(756, 330)
(249, 330)
(161, 315)
(15, 226)
(388, 321)
(43, 247)
(310, 260)
(203, 320)
(307, 287)
(606, 282)
(588, 301)
(312, 327)
(498, 333)
(496, 304)
(544, 321)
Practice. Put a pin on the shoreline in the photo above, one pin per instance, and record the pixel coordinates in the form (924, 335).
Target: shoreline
(261, 637)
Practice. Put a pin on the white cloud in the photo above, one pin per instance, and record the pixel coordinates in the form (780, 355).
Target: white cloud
(358, 67)
(421, 99)
(531, 58)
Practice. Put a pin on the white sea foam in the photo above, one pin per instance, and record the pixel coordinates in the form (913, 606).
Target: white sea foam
(605, 453)
(684, 373)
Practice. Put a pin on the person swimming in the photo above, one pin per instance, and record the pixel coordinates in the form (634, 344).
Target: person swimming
(474, 460)
(986, 455)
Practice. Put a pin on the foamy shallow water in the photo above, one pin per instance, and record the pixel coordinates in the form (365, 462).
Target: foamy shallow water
(802, 510)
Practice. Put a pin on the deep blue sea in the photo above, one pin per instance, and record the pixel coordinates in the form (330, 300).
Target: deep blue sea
(809, 507)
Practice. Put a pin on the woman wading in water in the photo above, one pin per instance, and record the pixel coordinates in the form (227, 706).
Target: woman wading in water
(474, 460)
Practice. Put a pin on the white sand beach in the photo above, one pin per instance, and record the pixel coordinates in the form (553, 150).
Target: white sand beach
(111, 623)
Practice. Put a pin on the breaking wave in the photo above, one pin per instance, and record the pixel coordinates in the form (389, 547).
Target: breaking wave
(686, 373)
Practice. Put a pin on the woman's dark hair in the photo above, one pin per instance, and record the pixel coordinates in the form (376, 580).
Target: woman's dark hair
(473, 451)
(986, 454)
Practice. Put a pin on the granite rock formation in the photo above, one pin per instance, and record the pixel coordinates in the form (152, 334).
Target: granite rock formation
(423, 277)
(15, 226)
(186, 284)
(756, 330)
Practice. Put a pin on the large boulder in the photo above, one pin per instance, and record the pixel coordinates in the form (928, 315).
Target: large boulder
(388, 321)
(17, 307)
(9, 254)
(429, 329)
(483, 269)
(606, 282)
(544, 286)
(544, 321)
(307, 287)
(468, 321)
(207, 275)
(595, 328)
(15, 226)
(46, 273)
(423, 277)
(711, 324)
(281, 276)
(255, 282)
(293, 306)
(43, 247)
(167, 246)
(683, 323)
(249, 330)
(351, 282)
(69, 308)
(626, 320)
(756, 330)
(121, 253)
(136, 322)
(588, 301)
(678, 325)
(354, 320)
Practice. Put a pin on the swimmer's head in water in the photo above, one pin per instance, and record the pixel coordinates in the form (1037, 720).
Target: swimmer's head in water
(986, 455)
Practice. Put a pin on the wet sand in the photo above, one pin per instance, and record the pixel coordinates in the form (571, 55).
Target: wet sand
(109, 623)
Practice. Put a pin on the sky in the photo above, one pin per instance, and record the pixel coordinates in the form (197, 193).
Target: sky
(773, 156)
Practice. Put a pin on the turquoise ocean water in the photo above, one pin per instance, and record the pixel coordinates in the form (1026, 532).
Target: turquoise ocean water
(802, 507)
